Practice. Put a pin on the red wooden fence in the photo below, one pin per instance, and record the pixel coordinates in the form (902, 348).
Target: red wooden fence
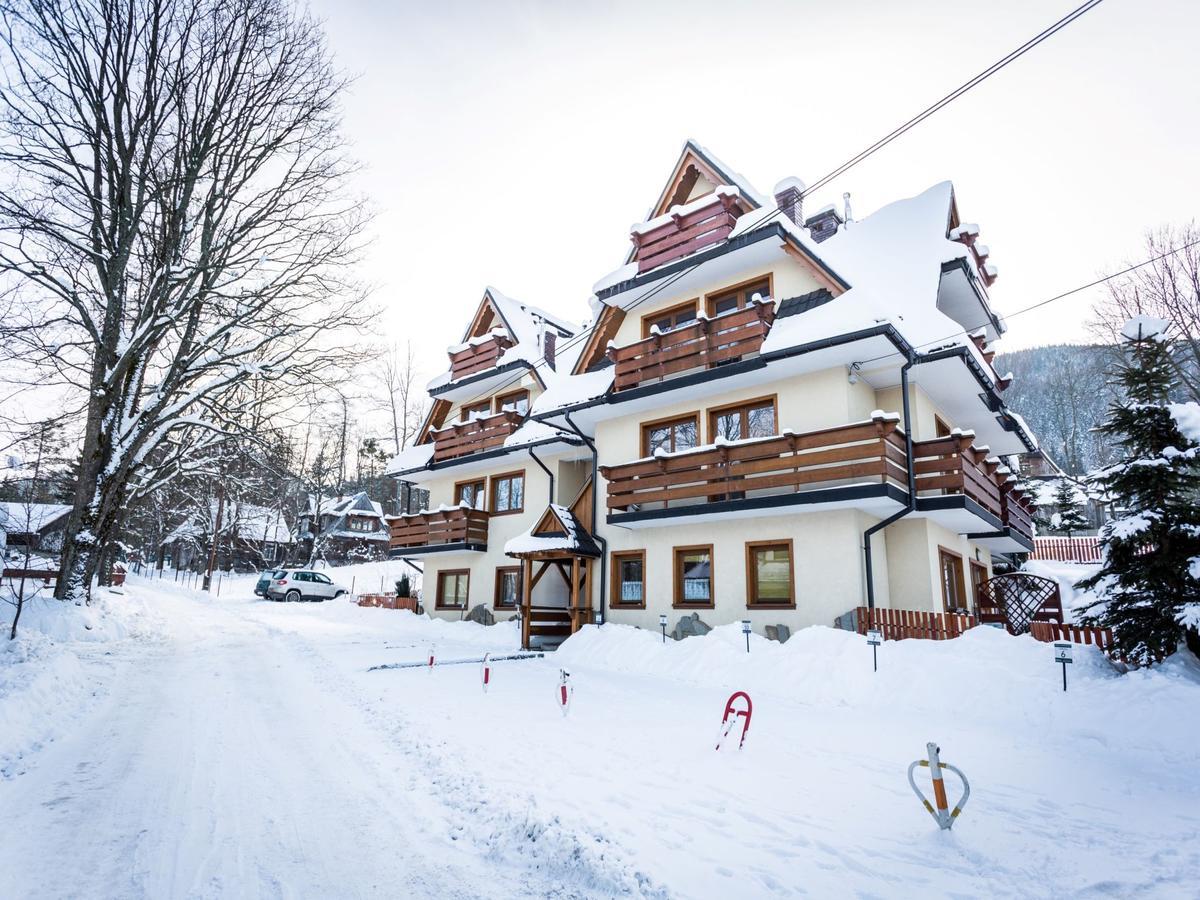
(388, 601)
(898, 624)
(1076, 634)
(1073, 549)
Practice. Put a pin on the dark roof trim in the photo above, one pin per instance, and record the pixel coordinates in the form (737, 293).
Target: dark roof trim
(487, 454)
(958, 501)
(794, 306)
(776, 501)
(1009, 532)
(990, 395)
(774, 230)
(961, 263)
(456, 546)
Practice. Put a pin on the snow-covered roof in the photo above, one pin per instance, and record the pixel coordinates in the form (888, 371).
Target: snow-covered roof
(19, 518)
(358, 504)
(574, 538)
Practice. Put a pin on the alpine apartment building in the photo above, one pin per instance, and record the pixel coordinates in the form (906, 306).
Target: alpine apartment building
(769, 414)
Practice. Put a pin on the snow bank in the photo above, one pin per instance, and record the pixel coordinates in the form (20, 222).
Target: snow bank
(1066, 574)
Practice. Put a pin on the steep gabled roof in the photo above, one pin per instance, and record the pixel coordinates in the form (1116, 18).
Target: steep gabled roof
(557, 532)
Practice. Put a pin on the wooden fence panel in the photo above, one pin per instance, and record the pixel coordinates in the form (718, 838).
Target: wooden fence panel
(901, 624)
(1061, 549)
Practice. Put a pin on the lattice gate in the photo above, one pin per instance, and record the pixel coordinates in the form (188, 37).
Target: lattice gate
(1017, 598)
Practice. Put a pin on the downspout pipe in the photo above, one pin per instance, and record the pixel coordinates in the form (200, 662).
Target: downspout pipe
(549, 474)
(911, 504)
(595, 506)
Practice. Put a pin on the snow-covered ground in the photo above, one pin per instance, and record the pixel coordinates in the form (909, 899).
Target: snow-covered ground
(233, 747)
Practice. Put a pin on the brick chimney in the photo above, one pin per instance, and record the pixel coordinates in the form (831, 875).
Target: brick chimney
(824, 224)
(548, 343)
(789, 197)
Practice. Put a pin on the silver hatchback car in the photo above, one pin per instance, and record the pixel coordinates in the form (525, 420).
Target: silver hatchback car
(302, 584)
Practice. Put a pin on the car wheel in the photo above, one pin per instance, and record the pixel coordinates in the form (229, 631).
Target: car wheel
(293, 596)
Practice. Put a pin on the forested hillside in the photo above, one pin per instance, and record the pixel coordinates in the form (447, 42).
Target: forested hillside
(1063, 391)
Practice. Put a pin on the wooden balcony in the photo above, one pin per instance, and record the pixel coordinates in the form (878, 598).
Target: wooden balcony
(1017, 510)
(698, 345)
(461, 527)
(688, 230)
(870, 451)
(474, 436)
(953, 465)
(481, 354)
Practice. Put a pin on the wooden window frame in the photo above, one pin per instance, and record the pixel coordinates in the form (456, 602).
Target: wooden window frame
(647, 427)
(500, 398)
(975, 566)
(440, 603)
(693, 304)
(484, 406)
(460, 484)
(491, 493)
(962, 584)
(615, 601)
(711, 298)
(677, 601)
(752, 601)
(940, 428)
(716, 411)
(500, 571)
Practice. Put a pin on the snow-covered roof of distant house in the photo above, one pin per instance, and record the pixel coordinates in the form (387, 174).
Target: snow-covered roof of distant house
(574, 538)
(525, 324)
(359, 504)
(30, 517)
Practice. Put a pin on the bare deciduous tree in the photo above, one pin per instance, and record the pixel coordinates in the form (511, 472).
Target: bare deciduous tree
(175, 222)
(399, 379)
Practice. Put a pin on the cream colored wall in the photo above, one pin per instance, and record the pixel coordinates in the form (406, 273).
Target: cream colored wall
(527, 382)
(826, 564)
(914, 574)
(790, 278)
(921, 408)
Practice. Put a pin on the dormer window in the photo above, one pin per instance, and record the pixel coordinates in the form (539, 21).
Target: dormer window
(517, 401)
(739, 297)
(670, 319)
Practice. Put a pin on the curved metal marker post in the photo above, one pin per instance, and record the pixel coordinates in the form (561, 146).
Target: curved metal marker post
(1062, 654)
(874, 638)
(731, 717)
(565, 691)
(943, 816)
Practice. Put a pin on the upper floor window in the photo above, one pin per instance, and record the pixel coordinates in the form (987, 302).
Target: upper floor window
(476, 409)
(517, 401)
(738, 298)
(358, 523)
(746, 420)
(676, 434)
(669, 319)
(508, 493)
(473, 492)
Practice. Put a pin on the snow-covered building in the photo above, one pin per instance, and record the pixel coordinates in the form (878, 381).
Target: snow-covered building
(40, 527)
(756, 398)
(252, 537)
(346, 529)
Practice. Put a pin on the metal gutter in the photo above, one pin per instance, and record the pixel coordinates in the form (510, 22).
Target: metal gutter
(549, 474)
(595, 507)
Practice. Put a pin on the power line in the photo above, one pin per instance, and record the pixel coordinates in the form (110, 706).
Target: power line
(844, 167)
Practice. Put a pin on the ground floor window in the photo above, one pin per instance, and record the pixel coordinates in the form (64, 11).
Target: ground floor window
(629, 578)
(452, 588)
(693, 576)
(508, 587)
(769, 575)
(979, 574)
(954, 591)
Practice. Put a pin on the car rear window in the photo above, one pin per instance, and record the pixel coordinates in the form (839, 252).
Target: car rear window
(280, 574)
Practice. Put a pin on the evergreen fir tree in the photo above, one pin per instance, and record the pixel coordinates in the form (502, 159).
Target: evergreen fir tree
(1146, 586)
(1070, 512)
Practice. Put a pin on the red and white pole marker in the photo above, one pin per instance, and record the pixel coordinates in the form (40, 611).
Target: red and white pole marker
(734, 714)
(485, 671)
(432, 655)
(565, 691)
(942, 814)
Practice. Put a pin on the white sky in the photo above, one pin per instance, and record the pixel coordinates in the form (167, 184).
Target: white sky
(513, 143)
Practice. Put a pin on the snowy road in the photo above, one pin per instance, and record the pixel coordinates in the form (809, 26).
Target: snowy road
(219, 765)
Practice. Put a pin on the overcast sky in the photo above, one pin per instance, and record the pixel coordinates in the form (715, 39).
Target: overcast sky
(514, 143)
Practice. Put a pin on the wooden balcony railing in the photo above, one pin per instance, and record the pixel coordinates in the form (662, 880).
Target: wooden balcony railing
(1017, 510)
(697, 345)
(478, 357)
(870, 451)
(446, 526)
(952, 465)
(687, 231)
(474, 436)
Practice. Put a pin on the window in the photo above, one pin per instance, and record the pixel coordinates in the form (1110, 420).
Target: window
(748, 420)
(517, 401)
(508, 493)
(693, 576)
(738, 297)
(954, 592)
(452, 588)
(676, 434)
(629, 578)
(670, 319)
(940, 428)
(318, 578)
(473, 492)
(508, 587)
(979, 574)
(477, 409)
(769, 575)
(358, 523)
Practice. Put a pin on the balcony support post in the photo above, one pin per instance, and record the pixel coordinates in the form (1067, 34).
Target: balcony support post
(600, 539)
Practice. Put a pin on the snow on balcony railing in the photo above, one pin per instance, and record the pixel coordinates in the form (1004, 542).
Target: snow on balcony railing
(475, 435)
(445, 525)
(686, 229)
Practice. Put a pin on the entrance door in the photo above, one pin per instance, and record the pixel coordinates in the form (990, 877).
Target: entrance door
(954, 589)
